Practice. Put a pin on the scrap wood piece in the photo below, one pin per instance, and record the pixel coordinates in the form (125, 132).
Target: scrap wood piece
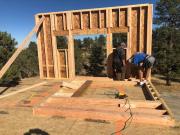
(105, 115)
(63, 90)
(112, 83)
(23, 89)
(79, 82)
(82, 89)
(58, 94)
(104, 108)
(70, 85)
(103, 101)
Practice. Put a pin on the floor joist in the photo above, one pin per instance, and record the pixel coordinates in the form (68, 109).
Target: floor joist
(105, 115)
(104, 108)
(101, 101)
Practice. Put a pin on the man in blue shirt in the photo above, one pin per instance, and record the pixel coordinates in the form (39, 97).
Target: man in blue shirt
(144, 62)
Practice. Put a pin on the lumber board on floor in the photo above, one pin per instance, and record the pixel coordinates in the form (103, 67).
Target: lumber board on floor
(104, 108)
(23, 89)
(58, 94)
(70, 85)
(82, 89)
(112, 83)
(105, 115)
(102, 101)
(63, 90)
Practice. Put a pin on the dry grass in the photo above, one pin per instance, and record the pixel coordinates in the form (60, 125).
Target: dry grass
(159, 82)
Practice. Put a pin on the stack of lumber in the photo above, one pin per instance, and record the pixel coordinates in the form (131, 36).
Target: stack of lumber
(105, 109)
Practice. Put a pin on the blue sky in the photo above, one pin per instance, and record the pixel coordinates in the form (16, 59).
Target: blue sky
(17, 16)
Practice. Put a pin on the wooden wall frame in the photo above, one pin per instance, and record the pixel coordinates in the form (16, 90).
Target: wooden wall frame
(62, 56)
(135, 20)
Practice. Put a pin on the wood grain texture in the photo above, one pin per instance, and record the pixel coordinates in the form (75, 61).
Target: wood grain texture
(59, 22)
(143, 27)
(102, 108)
(85, 16)
(76, 21)
(115, 17)
(135, 31)
(64, 22)
(44, 71)
(103, 18)
(123, 17)
(149, 29)
(95, 19)
(103, 101)
(54, 46)
(82, 89)
(39, 48)
(48, 40)
(51, 72)
(105, 115)
(70, 85)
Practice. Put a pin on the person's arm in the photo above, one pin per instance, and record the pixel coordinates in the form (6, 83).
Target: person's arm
(124, 63)
(122, 55)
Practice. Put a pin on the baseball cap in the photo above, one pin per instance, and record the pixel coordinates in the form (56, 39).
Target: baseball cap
(123, 44)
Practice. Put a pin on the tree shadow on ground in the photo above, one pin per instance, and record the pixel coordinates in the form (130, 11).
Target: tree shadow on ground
(36, 131)
(172, 79)
(9, 83)
(157, 83)
(4, 90)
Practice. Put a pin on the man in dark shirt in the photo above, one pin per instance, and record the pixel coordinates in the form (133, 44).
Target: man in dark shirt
(119, 64)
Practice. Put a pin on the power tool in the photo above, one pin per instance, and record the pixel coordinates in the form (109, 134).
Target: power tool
(120, 95)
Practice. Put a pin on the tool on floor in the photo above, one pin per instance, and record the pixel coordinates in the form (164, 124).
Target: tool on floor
(28, 101)
(118, 95)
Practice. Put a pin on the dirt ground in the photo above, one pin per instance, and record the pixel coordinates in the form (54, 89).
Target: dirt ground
(16, 119)
(170, 94)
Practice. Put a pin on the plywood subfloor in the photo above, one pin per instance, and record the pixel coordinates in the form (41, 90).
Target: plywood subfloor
(133, 93)
(16, 120)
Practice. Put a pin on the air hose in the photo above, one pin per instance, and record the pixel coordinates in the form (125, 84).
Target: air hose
(129, 123)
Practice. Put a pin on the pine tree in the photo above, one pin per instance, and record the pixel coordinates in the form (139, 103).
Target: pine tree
(78, 56)
(27, 61)
(96, 57)
(118, 38)
(7, 48)
(87, 42)
(62, 42)
(166, 38)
